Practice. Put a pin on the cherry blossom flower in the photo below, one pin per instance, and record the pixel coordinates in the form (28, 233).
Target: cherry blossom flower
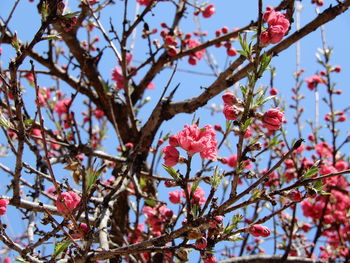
(273, 119)
(67, 202)
(3, 206)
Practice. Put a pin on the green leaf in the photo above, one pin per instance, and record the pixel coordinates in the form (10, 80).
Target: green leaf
(71, 15)
(228, 229)
(216, 178)
(21, 260)
(142, 182)
(171, 171)
(245, 125)
(256, 194)
(314, 169)
(323, 193)
(243, 53)
(4, 122)
(60, 247)
(274, 141)
(318, 185)
(150, 203)
(234, 238)
(243, 90)
(51, 37)
(92, 176)
(28, 122)
(194, 186)
(228, 125)
(44, 12)
(236, 219)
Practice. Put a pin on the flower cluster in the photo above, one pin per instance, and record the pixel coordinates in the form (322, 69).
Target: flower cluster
(192, 43)
(157, 217)
(197, 196)
(278, 26)
(193, 140)
(231, 110)
(313, 81)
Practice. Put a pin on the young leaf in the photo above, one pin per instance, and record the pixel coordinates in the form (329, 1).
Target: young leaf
(92, 176)
(71, 15)
(60, 247)
(150, 203)
(314, 169)
(171, 171)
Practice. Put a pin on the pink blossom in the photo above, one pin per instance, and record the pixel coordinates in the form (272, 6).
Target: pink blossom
(192, 43)
(144, 2)
(43, 96)
(195, 140)
(295, 195)
(30, 77)
(229, 98)
(83, 230)
(231, 112)
(171, 155)
(201, 243)
(323, 149)
(208, 11)
(273, 119)
(61, 107)
(313, 81)
(174, 197)
(198, 196)
(231, 52)
(210, 258)
(51, 191)
(276, 33)
(3, 206)
(67, 202)
(151, 86)
(306, 227)
(278, 26)
(259, 230)
(117, 76)
(98, 113)
(341, 165)
(232, 162)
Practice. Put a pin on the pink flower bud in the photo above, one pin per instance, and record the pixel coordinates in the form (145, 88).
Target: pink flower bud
(306, 227)
(231, 112)
(171, 156)
(208, 11)
(224, 29)
(210, 258)
(3, 206)
(273, 92)
(229, 98)
(259, 230)
(231, 52)
(273, 119)
(295, 195)
(337, 69)
(217, 127)
(201, 243)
